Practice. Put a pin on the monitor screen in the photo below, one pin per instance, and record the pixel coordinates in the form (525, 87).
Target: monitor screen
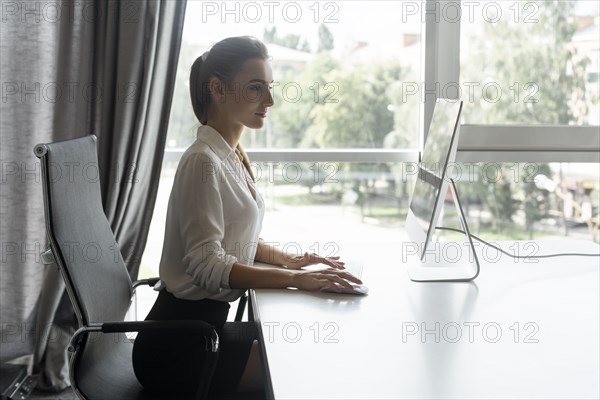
(431, 184)
(445, 119)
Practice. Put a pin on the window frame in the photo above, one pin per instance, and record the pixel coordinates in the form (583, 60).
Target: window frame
(498, 143)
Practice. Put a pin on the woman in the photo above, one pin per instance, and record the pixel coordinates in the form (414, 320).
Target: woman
(212, 231)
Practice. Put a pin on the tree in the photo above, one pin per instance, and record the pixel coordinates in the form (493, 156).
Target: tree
(291, 40)
(295, 98)
(538, 69)
(536, 66)
(270, 35)
(536, 201)
(406, 113)
(326, 41)
(353, 111)
(182, 121)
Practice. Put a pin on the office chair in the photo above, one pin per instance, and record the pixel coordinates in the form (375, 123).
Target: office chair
(83, 247)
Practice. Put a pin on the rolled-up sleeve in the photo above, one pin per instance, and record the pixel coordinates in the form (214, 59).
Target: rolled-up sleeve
(201, 222)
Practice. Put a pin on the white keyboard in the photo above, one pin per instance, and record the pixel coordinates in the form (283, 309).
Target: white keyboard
(355, 268)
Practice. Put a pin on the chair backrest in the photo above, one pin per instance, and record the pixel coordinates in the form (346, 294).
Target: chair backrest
(80, 236)
(98, 284)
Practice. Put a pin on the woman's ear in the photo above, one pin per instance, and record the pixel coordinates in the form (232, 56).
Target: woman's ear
(215, 88)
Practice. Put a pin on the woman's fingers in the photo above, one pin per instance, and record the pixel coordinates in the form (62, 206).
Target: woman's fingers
(334, 264)
(328, 284)
(338, 280)
(342, 282)
(326, 279)
(343, 275)
(331, 261)
(297, 262)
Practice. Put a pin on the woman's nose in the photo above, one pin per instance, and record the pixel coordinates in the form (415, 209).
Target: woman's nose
(269, 100)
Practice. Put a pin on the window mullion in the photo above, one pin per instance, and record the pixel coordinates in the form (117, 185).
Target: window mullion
(441, 59)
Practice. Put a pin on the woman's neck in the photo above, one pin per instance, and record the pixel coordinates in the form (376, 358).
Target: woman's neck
(231, 132)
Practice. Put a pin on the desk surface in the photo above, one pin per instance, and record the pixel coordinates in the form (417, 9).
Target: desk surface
(522, 329)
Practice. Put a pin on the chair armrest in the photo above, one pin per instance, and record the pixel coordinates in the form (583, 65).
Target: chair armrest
(197, 326)
(149, 282)
(200, 327)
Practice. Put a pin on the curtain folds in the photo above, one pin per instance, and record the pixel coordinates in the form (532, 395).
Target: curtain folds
(141, 74)
(114, 63)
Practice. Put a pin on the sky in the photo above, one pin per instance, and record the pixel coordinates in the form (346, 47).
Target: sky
(381, 22)
(353, 20)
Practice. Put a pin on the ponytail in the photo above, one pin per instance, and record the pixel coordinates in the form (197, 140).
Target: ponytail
(195, 92)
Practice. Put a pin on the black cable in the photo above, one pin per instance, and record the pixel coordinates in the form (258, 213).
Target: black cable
(442, 228)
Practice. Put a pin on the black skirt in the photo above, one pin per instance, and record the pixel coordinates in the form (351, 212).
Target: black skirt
(168, 363)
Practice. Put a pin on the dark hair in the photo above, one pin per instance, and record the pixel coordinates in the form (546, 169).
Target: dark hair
(224, 60)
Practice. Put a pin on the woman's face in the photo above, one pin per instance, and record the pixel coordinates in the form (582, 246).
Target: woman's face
(248, 97)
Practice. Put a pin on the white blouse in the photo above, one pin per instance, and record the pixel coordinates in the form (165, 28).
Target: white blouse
(213, 221)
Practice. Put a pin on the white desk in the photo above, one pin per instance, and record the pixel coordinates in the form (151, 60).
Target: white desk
(529, 330)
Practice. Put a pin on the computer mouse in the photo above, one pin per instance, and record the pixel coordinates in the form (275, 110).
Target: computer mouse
(356, 289)
(360, 289)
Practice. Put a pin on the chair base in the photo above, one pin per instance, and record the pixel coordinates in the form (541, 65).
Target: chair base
(15, 383)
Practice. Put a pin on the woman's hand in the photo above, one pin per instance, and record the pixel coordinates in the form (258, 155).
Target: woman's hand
(297, 262)
(324, 279)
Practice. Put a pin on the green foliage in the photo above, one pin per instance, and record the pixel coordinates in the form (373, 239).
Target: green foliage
(338, 106)
(541, 76)
(183, 122)
(326, 41)
(543, 81)
(356, 115)
(291, 40)
(346, 105)
(406, 114)
(536, 202)
(291, 116)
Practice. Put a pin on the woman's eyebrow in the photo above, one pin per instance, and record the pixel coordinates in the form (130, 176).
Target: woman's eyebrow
(259, 80)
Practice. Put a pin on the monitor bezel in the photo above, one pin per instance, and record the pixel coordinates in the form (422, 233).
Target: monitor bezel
(413, 227)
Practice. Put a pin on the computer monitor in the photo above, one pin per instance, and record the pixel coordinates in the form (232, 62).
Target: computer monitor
(440, 262)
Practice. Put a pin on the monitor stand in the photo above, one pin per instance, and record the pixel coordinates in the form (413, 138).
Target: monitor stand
(447, 261)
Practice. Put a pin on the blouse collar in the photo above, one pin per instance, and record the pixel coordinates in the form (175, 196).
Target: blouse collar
(215, 141)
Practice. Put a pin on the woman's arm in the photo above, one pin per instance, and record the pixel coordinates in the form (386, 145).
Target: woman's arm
(272, 255)
(246, 277)
(268, 254)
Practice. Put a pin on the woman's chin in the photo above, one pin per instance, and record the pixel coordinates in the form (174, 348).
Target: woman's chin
(255, 124)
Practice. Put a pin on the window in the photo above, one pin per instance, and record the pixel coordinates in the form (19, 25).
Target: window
(339, 68)
(530, 62)
(528, 76)
(352, 103)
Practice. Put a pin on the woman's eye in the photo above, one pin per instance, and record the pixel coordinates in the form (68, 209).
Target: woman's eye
(257, 87)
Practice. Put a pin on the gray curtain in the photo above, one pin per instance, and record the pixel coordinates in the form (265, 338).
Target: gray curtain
(103, 67)
(27, 65)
